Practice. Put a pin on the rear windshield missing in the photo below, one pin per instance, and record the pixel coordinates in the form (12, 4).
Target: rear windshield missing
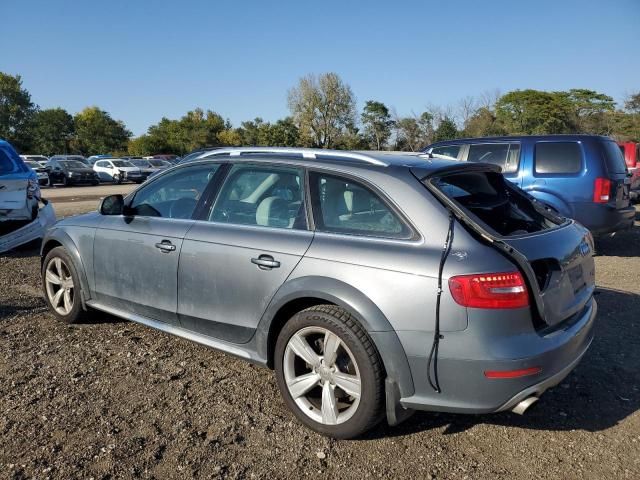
(498, 204)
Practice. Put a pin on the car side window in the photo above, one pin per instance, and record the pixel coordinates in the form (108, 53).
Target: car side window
(265, 196)
(505, 155)
(447, 151)
(174, 195)
(557, 158)
(342, 205)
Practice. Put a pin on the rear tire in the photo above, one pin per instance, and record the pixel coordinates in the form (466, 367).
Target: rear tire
(338, 394)
(61, 285)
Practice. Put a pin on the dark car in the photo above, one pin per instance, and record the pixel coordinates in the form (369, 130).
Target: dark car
(70, 172)
(581, 176)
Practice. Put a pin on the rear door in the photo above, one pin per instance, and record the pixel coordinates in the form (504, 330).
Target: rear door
(235, 259)
(559, 176)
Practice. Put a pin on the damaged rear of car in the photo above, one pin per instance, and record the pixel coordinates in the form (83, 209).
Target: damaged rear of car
(24, 215)
(530, 322)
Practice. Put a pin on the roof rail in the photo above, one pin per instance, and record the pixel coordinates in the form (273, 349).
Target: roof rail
(309, 153)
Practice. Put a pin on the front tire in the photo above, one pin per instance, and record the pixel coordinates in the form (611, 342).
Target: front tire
(61, 285)
(329, 372)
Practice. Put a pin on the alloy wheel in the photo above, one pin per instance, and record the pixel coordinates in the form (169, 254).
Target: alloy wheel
(59, 286)
(322, 375)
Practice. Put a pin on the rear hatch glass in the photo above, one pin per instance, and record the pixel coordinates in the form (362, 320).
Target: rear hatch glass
(553, 253)
(617, 168)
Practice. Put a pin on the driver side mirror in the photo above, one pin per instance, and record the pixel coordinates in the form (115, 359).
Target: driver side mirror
(112, 205)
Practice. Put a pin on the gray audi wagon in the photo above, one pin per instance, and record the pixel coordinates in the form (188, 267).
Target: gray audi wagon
(374, 284)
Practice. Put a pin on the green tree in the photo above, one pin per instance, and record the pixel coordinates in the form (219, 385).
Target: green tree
(52, 130)
(97, 132)
(322, 107)
(632, 103)
(591, 110)
(377, 123)
(16, 112)
(447, 130)
(482, 123)
(532, 112)
(414, 133)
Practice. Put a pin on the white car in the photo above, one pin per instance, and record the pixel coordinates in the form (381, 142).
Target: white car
(41, 159)
(117, 170)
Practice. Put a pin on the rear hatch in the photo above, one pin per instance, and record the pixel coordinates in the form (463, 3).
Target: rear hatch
(618, 175)
(554, 254)
(14, 178)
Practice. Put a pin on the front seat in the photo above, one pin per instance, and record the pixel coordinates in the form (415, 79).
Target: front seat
(273, 212)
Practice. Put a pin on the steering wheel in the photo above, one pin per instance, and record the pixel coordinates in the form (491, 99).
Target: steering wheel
(182, 208)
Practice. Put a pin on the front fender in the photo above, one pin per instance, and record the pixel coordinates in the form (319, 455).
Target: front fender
(359, 306)
(56, 235)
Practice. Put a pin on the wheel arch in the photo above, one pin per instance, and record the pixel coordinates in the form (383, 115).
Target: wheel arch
(304, 292)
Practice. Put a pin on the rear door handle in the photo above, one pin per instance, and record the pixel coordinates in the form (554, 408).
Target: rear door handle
(165, 246)
(265, 262)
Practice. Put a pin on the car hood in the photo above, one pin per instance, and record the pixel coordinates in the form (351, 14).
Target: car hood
(91, 219)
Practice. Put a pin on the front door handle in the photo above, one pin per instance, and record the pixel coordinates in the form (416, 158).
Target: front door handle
(165, 246)
(265, 262)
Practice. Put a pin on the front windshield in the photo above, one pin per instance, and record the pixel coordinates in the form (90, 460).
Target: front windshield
(33, 164)
(122, 163)
(159, 163)
(72, 164)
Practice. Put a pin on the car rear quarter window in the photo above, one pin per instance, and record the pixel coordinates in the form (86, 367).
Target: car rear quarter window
(505, 155)
(556, 158)
(614, 158)
(10, 162)
(342, 205)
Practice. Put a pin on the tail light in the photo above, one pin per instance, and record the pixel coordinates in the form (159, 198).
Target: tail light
(490, 290)
(601, 190)
(33, 188)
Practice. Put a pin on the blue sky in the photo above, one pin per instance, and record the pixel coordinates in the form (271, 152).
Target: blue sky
(141, 60)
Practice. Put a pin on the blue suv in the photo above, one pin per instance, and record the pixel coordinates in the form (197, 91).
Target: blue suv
(581, 176)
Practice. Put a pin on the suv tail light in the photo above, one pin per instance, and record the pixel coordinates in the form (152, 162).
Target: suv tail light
(33, 188)
(601, 190)
(490, 290)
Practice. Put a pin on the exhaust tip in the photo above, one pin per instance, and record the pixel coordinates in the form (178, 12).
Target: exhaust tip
(524, 405)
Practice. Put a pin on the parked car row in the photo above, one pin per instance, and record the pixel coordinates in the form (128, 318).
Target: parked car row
(69, 170)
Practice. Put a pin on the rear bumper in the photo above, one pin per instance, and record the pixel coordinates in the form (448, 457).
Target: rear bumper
(465, 389)
(32, 231)
(603, 219)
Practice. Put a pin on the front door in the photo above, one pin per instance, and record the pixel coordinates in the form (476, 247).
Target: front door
(136, 255)
(233, 262)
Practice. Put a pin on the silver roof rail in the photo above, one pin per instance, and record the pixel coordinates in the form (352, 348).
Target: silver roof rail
(310, 153)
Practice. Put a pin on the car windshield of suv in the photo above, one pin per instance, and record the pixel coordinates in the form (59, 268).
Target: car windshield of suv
(159, 163)
(72, 164)
(33, 164)
(122, 163)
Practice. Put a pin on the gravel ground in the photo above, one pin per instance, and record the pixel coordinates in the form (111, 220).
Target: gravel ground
(113, 399)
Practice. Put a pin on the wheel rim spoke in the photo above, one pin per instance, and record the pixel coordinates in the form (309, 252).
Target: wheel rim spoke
(349, 383)
(55, 301)
(329, 405)
(302, 384)
(302, 349)
(331, 345)
(67, 300)
(52, 278)
(58, 264)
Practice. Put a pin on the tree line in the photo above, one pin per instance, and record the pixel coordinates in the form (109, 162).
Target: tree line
(323, 114)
